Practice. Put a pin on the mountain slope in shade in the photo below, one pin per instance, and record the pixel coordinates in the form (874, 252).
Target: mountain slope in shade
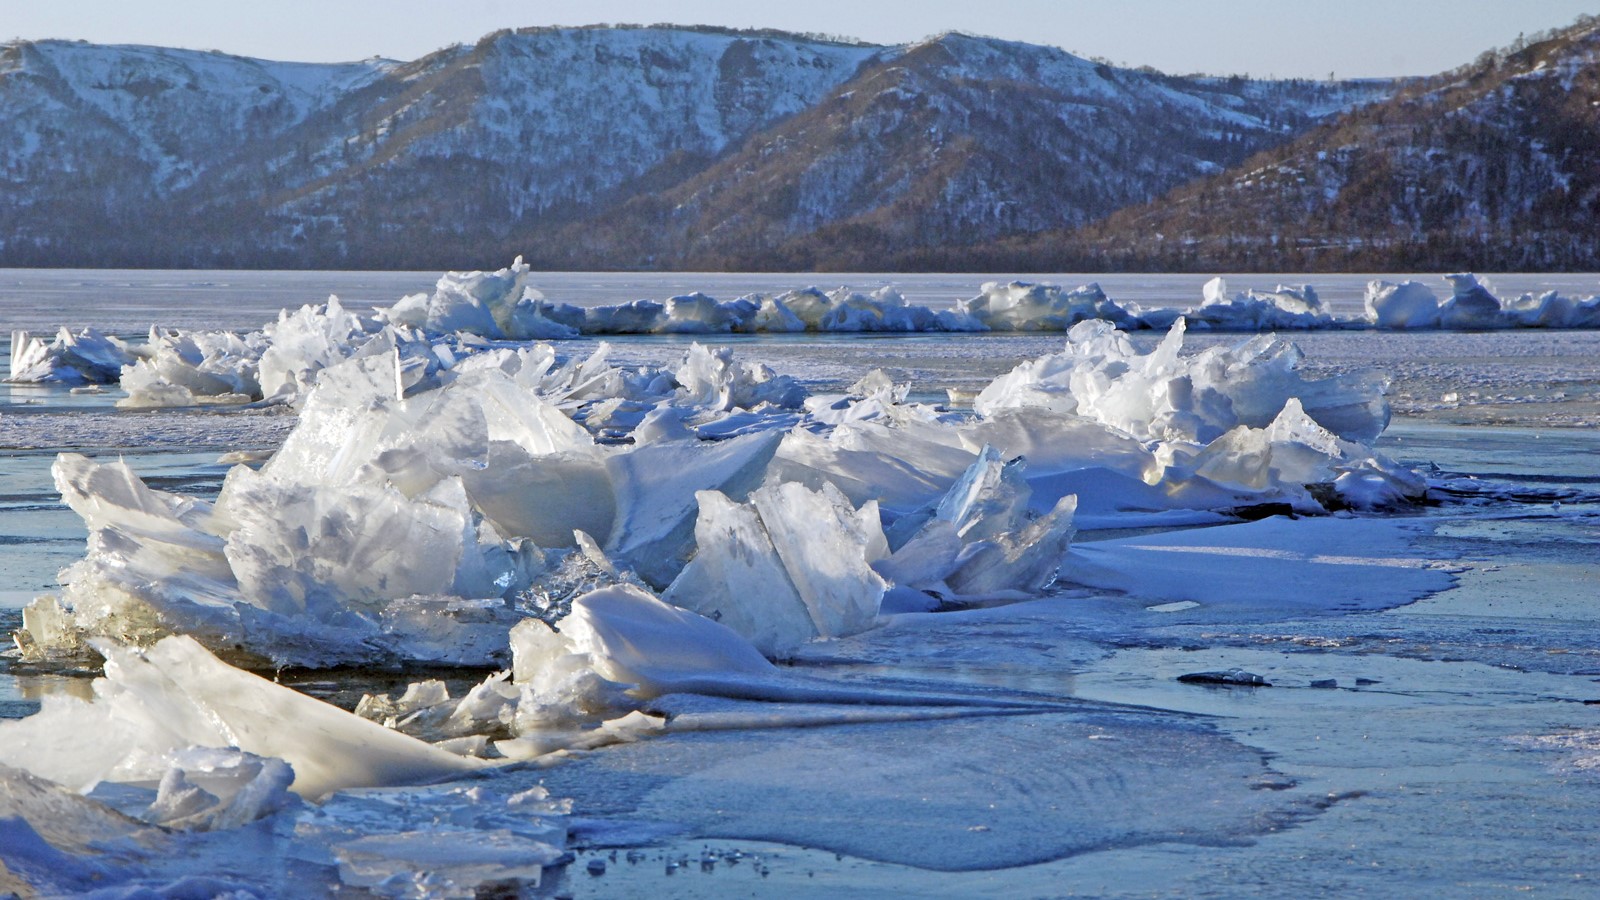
(602, 147)
(956, 141)
(1494, 166)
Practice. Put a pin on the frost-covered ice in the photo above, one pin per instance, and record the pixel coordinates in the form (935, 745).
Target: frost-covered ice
(1471, 305)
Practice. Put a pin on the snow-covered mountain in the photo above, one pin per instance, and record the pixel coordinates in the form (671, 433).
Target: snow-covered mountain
(1495, 165)
(956, 141)
(601, 147)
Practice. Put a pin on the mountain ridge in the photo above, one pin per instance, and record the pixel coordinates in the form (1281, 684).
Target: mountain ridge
(604, 147)
(1494, 165)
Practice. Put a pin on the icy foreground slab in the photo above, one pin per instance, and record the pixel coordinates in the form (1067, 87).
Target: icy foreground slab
(155, 704)
(447, 841)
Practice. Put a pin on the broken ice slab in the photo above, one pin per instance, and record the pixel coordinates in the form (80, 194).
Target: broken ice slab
(790, 566)
(175, 695)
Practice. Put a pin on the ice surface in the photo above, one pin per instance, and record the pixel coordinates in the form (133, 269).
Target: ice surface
(450, 841)
(512, 455)
(1276, 567)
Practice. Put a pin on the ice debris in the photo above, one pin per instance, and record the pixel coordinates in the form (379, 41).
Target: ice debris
(468, 312)
(417, 521)
(1471, 305)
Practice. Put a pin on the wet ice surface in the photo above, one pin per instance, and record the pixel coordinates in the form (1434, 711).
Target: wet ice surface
(1448, 755)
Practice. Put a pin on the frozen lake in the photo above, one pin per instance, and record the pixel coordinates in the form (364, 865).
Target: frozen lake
(1431, 727)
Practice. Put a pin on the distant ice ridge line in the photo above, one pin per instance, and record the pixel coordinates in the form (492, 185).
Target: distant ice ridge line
(180, 368)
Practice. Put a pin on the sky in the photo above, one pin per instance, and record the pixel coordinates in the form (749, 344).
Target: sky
(1263, 38)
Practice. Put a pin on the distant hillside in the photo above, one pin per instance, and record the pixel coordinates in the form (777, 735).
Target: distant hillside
(1495, 166)
(604, 148)
(954, 141)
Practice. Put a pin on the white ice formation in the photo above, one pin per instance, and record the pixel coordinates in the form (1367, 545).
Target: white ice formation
(174, 715)
(75, 357)
(1287, 308)
(467, 311)
(1471, 305)
(426, 501)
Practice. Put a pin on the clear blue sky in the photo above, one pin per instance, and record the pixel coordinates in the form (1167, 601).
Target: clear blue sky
(1285, 38)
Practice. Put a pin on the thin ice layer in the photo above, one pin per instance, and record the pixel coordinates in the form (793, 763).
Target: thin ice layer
(1277, 567)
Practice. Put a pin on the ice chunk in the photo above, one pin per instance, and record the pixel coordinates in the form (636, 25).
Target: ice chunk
(448, 862)
(695, 314)
(500, 304)
(50, 837)
(153, 558)
(1376, 482)
(208, 789)
(711, 379)
(173, 696)
(902, 463)
(75, 357)
(629, 640)
(1552, 310)
(1022, 306)
(981, 539)
(790, 566)
(1283, 308)
(655, 488)
(319, 551)
(1409, 304)
(185, 368)
(303, 343)
(1470, 305)
(1277, 566)
(1164, 396)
